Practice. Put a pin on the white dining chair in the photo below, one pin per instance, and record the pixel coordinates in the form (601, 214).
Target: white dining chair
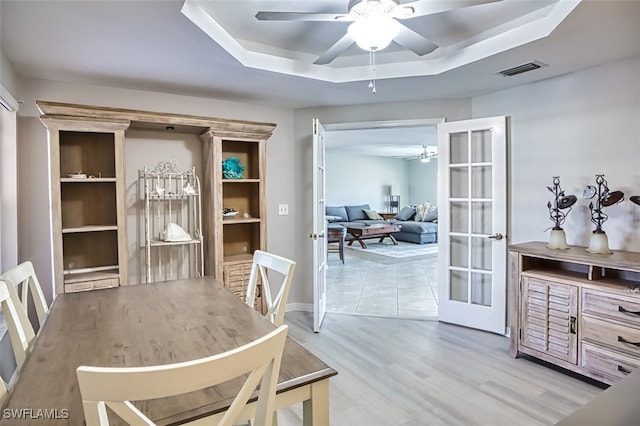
(25, 281)
(263, 265)
(4, 393)
(21, 333)
(102, 387)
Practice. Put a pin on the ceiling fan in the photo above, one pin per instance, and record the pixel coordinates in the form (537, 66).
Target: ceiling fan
(428, 152)
(374, 24)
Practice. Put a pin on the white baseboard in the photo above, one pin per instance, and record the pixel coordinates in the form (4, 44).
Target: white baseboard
(305, 307)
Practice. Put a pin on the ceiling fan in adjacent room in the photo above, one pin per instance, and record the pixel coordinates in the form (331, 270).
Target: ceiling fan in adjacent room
(374, 24)
(428, 152)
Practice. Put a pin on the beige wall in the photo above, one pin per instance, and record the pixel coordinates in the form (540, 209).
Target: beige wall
(574, 126)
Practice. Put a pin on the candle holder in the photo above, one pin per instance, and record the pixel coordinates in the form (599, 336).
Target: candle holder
(558, 238)
(599, 243)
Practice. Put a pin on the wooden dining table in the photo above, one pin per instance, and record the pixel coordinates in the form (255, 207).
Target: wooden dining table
(152, 324)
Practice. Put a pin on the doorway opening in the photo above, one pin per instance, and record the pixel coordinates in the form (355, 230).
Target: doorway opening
(387, 167)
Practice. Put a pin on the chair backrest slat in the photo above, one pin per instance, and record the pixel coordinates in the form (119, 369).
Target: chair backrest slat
(23, 277)
(263, 263)
(116, 387)
(21, 333)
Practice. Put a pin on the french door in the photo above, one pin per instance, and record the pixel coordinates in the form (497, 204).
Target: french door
(472, 223)
(318, 232)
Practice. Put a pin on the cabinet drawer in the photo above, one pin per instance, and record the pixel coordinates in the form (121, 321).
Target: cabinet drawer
(610, 364)
(235, 277)
(91, 285)
(621, 308)
(621, 337)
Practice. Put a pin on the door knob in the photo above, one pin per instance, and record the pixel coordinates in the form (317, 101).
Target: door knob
(497, 236)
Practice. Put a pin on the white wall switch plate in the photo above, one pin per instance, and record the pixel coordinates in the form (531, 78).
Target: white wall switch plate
(283, 209)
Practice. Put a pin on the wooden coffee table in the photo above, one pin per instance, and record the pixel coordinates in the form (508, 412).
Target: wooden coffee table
(367, 232)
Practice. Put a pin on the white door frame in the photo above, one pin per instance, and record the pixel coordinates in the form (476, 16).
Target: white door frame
(363, 125)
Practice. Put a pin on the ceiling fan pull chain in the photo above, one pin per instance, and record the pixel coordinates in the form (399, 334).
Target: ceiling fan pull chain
(372, 65)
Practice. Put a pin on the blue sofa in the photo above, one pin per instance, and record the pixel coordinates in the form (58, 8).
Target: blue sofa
(422, 232)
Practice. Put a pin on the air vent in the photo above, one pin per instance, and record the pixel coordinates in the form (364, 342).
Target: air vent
(530, 66)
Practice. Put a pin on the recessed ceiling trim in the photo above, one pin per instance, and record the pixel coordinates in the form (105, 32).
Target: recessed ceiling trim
(529, 28)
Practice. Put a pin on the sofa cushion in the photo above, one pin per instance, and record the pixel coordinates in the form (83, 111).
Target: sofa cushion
(432, 215)
(414, 227)
(406, 213)
(373, 215)
(422, 210)
(357, 212)
(336, 211)
(334, 218)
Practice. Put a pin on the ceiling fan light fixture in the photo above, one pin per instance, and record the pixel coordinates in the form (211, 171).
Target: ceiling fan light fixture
(373, 33)
(425, 158)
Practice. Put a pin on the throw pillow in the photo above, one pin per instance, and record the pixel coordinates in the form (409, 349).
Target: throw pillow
(432, 215)
(339, 211)
(406, 213)
(421, 211)
(373, 215)
(357, 212)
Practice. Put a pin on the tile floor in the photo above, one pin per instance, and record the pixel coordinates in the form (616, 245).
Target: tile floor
(369, 285)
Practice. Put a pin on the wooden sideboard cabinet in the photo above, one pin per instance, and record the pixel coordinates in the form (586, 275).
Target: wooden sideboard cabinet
(574, 309)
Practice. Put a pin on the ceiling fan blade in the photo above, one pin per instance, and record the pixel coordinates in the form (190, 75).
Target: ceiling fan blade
(335, 50)
(429, 7)
(301, 16)
(414, 42)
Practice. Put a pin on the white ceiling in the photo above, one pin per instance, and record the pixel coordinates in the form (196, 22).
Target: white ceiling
(475, 29)
(151, 45)
(393, 142)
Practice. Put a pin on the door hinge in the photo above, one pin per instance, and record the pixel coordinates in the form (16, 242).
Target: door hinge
(520, 334)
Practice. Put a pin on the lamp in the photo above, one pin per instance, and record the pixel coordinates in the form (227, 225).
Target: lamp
(558, 239)
(374, 30)
(394, 198)
(599, 243)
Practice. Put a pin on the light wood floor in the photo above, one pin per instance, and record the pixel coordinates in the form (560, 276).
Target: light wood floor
(399, 372)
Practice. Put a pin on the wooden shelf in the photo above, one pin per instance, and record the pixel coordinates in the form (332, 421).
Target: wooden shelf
(88, 180)
(90, 228)
(242, 220)
(88, 214)
(231, 242)
(99, 274)
(240, 180)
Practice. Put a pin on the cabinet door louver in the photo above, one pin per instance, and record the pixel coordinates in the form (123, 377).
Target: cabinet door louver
(549, 318)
